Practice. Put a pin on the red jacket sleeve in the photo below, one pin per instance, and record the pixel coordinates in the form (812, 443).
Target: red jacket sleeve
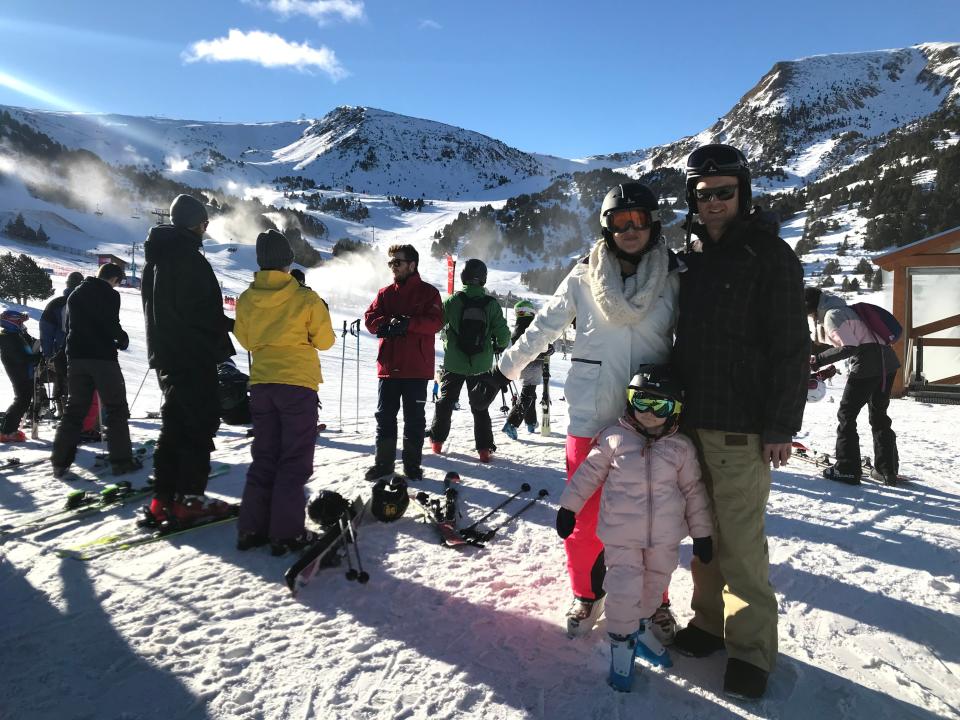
(430, 320)
(374, 317)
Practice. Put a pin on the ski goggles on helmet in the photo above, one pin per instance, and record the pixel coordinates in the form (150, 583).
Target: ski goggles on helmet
(716, 160)
(726, 192)
(624, 219)
(660, 406)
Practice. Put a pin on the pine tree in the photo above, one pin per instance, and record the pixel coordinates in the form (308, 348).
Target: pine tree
(21, 278)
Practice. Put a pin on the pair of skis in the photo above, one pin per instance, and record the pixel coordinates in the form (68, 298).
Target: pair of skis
(444, 514)
(326, 551)
(802, 452)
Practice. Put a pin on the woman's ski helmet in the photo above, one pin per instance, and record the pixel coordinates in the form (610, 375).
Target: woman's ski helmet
(390, 499)
(623, 197)
(719, 159)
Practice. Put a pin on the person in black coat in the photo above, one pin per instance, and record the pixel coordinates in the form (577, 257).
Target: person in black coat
(93, 337)
(19, 361)
(53, 339)
(187, 336)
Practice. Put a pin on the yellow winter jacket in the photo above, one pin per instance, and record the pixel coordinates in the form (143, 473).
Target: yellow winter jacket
(283, 325)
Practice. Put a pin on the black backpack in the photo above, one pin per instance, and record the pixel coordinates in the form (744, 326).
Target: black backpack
(234, 396)
(474, 329)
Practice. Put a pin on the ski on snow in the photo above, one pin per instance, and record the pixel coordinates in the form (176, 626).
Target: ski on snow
(802, 452)
(325, 551)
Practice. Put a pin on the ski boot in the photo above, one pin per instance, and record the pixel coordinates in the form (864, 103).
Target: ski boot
(583, 615)
(886, 479)
(187, 510)
(13, 437)
(282, 547)
(532, 428)
(486, 455)
(664, 624)
(248, 540)
(623, 649)
(649, 648)
(509, 430)
(378, 471)
(126, 466)
(831, 473)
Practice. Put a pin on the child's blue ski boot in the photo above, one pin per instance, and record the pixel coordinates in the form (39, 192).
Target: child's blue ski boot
(623, 649)
(651, 649)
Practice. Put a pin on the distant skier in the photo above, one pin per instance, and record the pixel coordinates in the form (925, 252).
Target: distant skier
(525, 408)
(624, 298)
(406, 315)
(94, 336)
(741, 354)
(474, 330)
(186, 338)
(53, 339)
(20, 363)
(871, 368)
(283, 324)
(644, 513)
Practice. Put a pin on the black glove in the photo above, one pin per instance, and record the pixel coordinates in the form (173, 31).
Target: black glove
(491, 384)
(123, 342)
(395, 327)
(566, 522)
(703, 549)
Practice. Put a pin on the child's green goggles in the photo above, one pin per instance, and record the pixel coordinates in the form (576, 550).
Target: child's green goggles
(660, 406)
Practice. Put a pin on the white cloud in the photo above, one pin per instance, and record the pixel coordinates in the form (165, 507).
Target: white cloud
(319, 10)
(177, 165)
(429, 24)
(266, 49)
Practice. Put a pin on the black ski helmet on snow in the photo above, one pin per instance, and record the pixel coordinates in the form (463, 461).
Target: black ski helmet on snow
(628, 196)
(474, 272)
(722, 160)
(654, 389)
(327, 507)
(390, 499)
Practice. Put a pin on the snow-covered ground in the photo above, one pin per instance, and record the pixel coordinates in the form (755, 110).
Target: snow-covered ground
(866, 578)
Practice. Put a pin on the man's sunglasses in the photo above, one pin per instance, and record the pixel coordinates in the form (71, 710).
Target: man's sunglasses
(718, 193)
(397, 262)
(659, 406)
(619, 221)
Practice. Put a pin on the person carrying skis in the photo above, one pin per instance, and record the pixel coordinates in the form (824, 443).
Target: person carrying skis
(53, 339)
(652, 497)
(741, 354)
(871, 368)
(624, 298)
(20, 363)
(283, 324)
(525, 407)
(405, 315)
(186, 339)
(94, 336)
(474, 328)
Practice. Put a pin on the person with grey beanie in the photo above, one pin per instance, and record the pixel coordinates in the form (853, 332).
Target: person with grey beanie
(53, 339)
(187, 336)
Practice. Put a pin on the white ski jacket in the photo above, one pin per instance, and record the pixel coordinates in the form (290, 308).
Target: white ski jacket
(621, 324)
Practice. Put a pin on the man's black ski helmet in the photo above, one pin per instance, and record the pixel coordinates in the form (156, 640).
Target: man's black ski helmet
(474, 272)
(390, 499)
(719, 159)
(625, 196)
(327, 508)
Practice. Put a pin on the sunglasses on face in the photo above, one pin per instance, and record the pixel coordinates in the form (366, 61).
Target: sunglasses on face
(718, 193)
(659, 406)
(397, 262)
(619, 221)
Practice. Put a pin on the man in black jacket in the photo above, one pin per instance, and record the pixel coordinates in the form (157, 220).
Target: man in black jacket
(53, 339)
(93, 337)
(742, 349)
(186, 338)
(20, 362)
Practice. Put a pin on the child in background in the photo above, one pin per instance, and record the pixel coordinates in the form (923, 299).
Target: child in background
(525, 409)
(652, 498)
(283, 324)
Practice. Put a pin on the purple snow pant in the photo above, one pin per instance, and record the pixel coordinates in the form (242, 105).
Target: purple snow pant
(284, 438)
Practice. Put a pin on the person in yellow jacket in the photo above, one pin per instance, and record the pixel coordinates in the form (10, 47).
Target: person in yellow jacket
(283, 324)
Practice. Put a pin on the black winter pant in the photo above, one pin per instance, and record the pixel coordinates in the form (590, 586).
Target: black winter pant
(412, 393)
(84, 377)
(450, 386)
(22, 398)
(190, 417)
(525, 409)
(875, 394)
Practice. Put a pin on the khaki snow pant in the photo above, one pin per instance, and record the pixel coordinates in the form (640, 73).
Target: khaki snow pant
(635, 581)
(732, 596)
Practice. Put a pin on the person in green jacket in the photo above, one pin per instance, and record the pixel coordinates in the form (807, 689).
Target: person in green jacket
(474, 328)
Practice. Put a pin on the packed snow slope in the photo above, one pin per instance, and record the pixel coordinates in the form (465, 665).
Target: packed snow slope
(866, 579)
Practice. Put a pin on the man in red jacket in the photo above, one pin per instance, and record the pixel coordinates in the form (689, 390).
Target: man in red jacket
(406, 315)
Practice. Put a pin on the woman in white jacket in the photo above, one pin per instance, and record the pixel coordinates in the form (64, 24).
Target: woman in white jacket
(623, 296)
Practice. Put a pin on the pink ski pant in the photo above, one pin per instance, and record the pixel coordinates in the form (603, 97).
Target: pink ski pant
(583, 546)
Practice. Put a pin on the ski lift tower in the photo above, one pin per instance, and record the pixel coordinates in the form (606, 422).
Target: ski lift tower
(133, 263)
(161, 215)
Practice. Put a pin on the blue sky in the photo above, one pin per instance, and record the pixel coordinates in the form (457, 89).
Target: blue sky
(563, 77)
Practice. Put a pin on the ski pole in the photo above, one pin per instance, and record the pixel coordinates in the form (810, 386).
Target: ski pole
(488, 535)
(473, 526)
(35, 416)
(137, 394)
(361, 576)
(355, 330)
(351, 573)
(343, 359)
(503, 392)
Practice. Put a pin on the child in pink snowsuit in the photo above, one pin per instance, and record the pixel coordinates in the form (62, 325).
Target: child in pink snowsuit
(652, 498)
